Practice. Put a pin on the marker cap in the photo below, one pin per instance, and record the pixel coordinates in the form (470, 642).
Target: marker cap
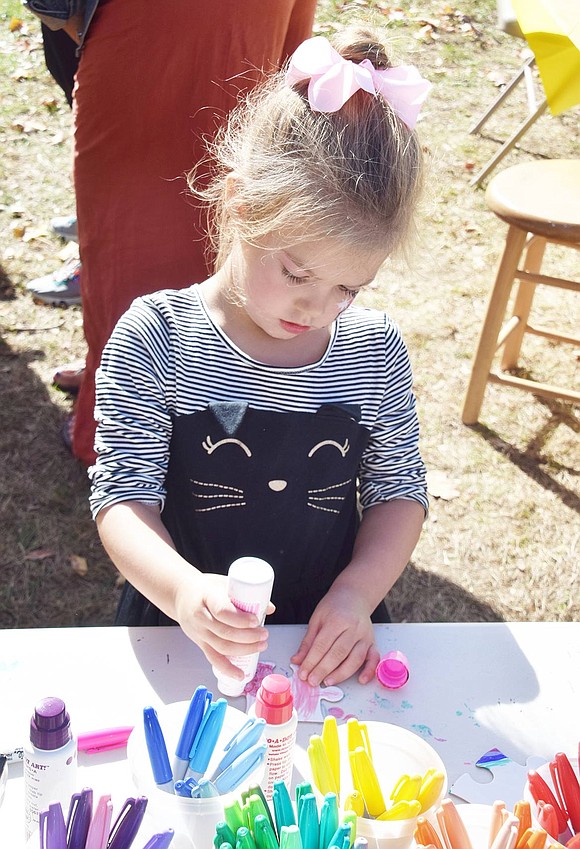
(393, 670)
(274, 700)
(50, 724)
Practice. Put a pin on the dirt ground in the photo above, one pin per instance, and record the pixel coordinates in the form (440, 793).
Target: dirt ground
(502, 538)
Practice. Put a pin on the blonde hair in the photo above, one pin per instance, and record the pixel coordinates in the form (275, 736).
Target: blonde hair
(353, 175)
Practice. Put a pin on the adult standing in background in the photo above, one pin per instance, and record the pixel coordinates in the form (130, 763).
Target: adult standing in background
(153, 80)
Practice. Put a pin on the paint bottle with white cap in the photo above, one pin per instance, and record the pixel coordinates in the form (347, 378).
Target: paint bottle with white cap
(50, 761)
(250, 582)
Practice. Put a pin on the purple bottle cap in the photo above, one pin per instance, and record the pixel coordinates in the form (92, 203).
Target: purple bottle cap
(50, 725)
(393, 670)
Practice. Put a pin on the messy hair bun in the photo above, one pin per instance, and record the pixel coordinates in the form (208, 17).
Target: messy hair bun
(353, 175)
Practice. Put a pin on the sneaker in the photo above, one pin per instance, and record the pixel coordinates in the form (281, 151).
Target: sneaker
(59, 289)
(65, 226)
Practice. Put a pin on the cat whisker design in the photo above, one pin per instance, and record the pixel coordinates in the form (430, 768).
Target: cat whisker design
(315, 496)
(229, 496)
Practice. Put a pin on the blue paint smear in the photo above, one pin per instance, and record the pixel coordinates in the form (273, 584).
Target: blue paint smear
(495, 757)
(425, 732)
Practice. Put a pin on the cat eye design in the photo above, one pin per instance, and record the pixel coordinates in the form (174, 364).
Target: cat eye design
(210, 446)
(344, 449)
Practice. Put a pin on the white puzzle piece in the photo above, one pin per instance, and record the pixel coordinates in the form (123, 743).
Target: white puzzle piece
(508, 780)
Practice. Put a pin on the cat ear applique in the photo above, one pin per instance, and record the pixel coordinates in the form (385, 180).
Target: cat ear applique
(229, 414)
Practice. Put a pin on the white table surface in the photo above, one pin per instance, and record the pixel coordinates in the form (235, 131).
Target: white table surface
(472, 687)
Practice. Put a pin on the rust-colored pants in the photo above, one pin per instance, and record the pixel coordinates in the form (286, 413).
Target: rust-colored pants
(154, 79)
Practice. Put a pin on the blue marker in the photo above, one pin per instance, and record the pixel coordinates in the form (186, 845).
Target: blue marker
(184, 788)
(193, 719)
(206, 789)
(244, 739)
(241, 768)
(157, 749)
(206, 738)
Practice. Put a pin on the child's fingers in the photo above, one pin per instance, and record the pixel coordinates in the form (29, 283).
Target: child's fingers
(367, 673)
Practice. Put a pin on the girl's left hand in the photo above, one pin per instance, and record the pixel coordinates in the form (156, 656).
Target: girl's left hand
(339, 641)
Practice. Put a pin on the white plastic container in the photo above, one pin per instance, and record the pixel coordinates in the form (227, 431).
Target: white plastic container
(193, 820)
(275, 703)
(250, 582)
(50, 761)
(395, 752)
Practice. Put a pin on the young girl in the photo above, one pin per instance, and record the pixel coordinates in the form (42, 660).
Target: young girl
(248, 415)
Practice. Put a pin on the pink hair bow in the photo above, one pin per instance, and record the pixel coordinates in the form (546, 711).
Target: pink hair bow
(333, 80)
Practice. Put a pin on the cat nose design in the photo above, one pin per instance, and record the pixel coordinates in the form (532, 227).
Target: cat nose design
(278, 486)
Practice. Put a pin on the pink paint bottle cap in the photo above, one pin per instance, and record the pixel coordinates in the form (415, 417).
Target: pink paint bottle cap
(393, 670)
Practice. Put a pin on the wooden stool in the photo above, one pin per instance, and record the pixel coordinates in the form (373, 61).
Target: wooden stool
(541, 203)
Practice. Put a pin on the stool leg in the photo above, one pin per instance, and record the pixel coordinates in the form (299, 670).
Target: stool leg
(522, 304)
(496, 308)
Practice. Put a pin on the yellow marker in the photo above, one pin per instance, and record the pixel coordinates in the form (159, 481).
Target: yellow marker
(366, 782)
(406, 788)
(354, 802)
(331, 744)
(321, 769)
(430, 789)
(357, 735)
(402, 811)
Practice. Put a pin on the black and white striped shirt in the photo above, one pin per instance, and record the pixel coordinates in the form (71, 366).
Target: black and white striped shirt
(167, 359)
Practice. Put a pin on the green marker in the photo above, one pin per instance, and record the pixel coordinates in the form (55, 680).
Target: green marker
(244, 839)
(264, 833)
(283, 810)
(290, 837)
(233, 816)
(223, 834)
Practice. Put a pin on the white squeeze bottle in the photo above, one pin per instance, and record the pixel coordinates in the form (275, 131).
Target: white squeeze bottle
(50, 761)
(250, 582)
(275, 703)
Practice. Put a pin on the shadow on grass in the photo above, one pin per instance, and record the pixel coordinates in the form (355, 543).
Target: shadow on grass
(528, 460)
(422, 596)
(47, 530)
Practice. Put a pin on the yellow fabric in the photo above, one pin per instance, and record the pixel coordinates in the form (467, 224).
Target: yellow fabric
(552, 29)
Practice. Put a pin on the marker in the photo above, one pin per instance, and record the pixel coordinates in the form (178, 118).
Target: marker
(100, 824)
(244, 839)
(426, 835)
(90, 742)
(248, 735)
(240, 769)
(430, 788)
(453, 827)
(264, 833)
(223, 834)
(233, 815)
(206, 738)
(540, 790)
(332, 747)
(283, 810)
(308, 821)
(290, 837)
(127, 823)
(322, 771)
(79, 819)
(366, 781)
(193, 719)
(407, 788)
(157, 749)
(354, 802)
(52, 827)
(161, 840)
(567, 788)
(402, 811)
(328, 820)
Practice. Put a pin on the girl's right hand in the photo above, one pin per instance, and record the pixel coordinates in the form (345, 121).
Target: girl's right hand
(210, 619)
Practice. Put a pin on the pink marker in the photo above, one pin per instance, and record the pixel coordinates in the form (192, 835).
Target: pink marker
(104, 740)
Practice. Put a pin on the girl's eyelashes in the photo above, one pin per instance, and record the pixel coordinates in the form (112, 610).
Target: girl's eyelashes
(292, 277)
(350, 293)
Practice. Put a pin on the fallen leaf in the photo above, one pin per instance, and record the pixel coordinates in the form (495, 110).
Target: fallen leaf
(39, 554)
(15, 24)
(439, 485)
(18, 230)
(79, 564)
